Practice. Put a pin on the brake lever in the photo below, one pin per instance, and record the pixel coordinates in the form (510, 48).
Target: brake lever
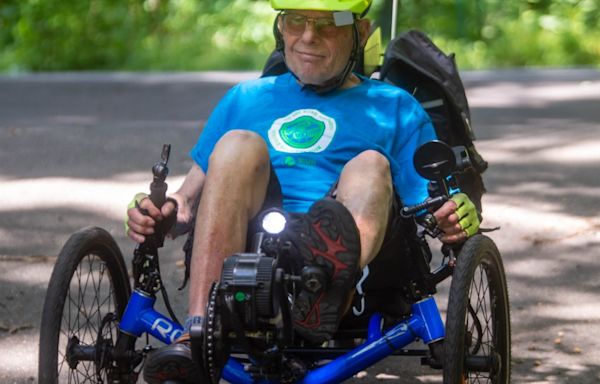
(434, 202)
(427, 220)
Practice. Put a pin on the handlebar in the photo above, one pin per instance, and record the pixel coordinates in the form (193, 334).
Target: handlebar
(158, 187)
(145, 264)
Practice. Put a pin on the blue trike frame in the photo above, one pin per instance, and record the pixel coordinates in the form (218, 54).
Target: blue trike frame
(424, 323)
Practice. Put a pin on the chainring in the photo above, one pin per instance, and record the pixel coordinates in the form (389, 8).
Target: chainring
(216, 346)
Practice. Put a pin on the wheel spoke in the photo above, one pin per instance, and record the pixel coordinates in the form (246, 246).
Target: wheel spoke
(480, 311)
(90, 297)
(477, 322)
(89, 281)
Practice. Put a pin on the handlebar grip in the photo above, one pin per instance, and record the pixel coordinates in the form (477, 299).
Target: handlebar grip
(158, 193)
(158, 187)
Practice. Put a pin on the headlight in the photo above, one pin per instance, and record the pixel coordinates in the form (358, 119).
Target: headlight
(273, 222)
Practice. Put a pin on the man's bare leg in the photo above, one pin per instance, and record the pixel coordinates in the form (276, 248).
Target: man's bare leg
(234, 191)
(365, 188)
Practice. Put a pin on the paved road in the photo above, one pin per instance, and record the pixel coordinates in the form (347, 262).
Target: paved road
(74, 148)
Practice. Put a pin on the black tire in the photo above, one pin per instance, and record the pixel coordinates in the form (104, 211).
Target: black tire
(88, 282)
(478, 318)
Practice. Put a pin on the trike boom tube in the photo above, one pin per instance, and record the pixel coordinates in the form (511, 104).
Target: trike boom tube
(425, 323)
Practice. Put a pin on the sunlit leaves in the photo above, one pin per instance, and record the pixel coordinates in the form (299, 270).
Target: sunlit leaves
(503, 33)
(237, 34)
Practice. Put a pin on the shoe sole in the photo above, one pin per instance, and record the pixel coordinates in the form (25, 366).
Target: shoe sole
(330, 240)
(173, 363)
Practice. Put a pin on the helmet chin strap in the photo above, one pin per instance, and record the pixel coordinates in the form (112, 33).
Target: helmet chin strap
(336, 81)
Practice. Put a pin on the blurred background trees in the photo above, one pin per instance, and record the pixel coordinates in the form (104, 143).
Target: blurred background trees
(51, 35)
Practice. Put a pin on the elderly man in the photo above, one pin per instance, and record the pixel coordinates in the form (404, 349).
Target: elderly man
(330, 146)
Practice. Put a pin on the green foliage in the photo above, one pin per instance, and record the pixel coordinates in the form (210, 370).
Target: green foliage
(55, 34)
(222, 34)
(503, 33)
(9, 17)
(237, 34)
(132, 34)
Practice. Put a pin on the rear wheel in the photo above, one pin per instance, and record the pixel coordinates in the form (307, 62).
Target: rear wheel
(87, 294)
(477, 343)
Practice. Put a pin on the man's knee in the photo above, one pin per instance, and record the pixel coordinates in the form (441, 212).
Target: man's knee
(366, 176)
(243, 147)
(370, 163)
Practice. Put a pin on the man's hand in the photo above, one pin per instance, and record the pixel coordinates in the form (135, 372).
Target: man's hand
(138, 225)
(142, 216)
(457, 218)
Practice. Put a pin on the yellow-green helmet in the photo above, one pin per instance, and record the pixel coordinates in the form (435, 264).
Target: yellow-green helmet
(358, 7)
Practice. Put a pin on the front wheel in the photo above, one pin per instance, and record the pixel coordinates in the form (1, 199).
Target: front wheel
(477, 343)
(87, 294)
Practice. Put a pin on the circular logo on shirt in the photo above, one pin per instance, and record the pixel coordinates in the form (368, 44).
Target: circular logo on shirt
(305, 130)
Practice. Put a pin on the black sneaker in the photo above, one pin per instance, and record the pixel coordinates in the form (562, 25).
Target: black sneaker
(172, 363)
(328, 242)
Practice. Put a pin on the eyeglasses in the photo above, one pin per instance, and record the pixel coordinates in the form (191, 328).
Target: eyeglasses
(295, 24)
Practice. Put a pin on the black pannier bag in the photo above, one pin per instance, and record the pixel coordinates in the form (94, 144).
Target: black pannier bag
(413, 62)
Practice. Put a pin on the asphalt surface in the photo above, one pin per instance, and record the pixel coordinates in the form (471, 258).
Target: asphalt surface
(74, 148)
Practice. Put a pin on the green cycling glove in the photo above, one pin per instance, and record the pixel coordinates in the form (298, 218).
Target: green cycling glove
(135, 202)
(468, 217)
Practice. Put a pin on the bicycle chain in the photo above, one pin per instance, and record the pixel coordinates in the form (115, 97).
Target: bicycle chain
(210, 343)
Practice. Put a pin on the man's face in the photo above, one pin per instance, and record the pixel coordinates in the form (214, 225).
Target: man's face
(315, 49)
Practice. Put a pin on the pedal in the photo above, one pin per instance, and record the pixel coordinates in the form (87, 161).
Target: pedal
(314, 279)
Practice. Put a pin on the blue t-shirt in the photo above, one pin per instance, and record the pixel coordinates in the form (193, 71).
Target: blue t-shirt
(311, 137)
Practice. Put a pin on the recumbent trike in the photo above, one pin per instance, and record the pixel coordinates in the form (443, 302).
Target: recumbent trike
(92, 321)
